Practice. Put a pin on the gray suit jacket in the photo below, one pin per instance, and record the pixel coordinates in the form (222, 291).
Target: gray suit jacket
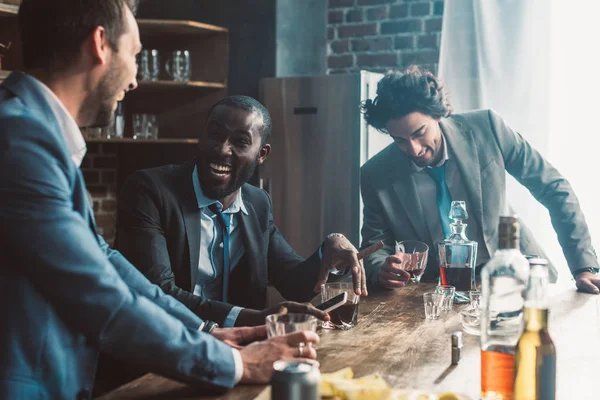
(64, 294)
(485, 147)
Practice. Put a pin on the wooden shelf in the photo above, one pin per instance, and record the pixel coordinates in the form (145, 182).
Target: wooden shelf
(160, 27)
(173, 85)
(8, 10)
(145, 141)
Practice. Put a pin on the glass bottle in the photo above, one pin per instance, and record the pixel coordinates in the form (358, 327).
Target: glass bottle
(503, 283)
(458, 254)
(535, 358)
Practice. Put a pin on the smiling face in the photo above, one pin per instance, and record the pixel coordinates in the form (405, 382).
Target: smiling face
(120, 74)
(419, 136)
(230, 150)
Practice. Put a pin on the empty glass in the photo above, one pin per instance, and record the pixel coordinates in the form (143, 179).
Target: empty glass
(448, 292)
(345, 316)
(470, 317)
(414, 257)
(148, 65)
(279, 325)
(433, 305)
(179, 66)
(145, 126)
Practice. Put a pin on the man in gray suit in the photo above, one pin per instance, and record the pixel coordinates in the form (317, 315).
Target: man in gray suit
(437, 155)
(64, 294)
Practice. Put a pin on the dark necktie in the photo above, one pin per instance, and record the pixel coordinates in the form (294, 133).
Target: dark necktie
(224, 221)
(444, 200)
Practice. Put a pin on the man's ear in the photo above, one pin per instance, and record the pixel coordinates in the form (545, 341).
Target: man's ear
(99, 46)
(263, 153)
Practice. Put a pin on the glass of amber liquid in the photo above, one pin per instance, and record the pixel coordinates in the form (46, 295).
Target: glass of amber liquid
(345, 316)
(414, 257)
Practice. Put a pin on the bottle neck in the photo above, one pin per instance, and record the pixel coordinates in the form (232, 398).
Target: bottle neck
(458, 230)
(536, 319)
(508, 242)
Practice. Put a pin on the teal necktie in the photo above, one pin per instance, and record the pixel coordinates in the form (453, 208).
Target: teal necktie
(444, 201)
(225, 222)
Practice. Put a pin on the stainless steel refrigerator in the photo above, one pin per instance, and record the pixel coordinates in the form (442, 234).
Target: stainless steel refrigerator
(319, 142)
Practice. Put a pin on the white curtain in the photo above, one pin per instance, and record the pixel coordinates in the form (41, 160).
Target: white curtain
(534, 62)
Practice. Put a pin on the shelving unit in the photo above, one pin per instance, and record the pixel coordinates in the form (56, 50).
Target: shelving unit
(181, 107)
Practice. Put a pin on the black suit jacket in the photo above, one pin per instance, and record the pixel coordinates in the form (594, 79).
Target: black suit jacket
(158, 230)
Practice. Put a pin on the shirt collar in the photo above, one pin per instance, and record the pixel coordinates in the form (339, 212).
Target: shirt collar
(416, 168)
(68, 127)
(203, 201)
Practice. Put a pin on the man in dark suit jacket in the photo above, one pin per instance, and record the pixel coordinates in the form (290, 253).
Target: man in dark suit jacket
(475, 149)
(64, 294)
(169, 227)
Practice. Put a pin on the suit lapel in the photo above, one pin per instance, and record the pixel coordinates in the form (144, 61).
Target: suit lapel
(252, 233)
(191, 218)
(404, 185)
(461, 145)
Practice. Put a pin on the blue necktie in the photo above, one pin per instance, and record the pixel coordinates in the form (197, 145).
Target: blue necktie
(225, 222)
(444, 201)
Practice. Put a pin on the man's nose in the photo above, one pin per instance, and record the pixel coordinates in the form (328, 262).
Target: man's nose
(414, 148)
(223, 147)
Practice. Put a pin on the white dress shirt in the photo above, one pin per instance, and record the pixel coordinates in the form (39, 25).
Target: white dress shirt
(207, 278)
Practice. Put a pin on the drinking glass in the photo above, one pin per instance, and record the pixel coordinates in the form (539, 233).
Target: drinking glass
(414, 257)
(448, 292)
(470, 317)
(345, 316)
(148, 65)
(279, 325)
(145, 126)
(179, 66)
(433, 305)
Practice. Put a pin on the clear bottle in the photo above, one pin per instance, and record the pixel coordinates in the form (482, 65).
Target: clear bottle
(535, 358)
(458, 254)
(503, 283)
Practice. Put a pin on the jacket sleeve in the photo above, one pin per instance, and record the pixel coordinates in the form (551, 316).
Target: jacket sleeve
(373, 230)
(143, 241)
(141, 285)
(551, 189)
(53, 246)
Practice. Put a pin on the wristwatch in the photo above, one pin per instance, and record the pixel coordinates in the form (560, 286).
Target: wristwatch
(208, 326)
(587, 269)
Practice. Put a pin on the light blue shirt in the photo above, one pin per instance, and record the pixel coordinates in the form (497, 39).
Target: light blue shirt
(208, 276)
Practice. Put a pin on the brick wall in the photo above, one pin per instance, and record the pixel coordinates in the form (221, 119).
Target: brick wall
(100, 172)
(377, 35)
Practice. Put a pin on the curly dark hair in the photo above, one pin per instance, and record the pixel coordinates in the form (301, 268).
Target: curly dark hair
(401, 92)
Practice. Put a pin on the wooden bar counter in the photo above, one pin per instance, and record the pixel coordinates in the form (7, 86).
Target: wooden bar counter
(394, 339)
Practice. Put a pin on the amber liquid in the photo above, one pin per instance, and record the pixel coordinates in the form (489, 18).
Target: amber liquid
(345, 315)
(497, 375)
(458, 277)
(535, 359)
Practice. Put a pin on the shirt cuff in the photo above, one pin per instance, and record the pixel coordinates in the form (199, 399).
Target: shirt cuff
(232, 317)
(239, 366)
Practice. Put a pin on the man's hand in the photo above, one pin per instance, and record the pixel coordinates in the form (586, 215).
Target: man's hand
(239, 337)
(258, 358)
(588, 282)
(392, 274)
(339, 253)
(249, 317)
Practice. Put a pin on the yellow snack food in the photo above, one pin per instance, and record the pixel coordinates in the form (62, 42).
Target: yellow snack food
(371, 387)
(448, 396)
(328, 379)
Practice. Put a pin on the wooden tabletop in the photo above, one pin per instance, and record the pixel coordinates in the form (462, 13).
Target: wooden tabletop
(394, 339)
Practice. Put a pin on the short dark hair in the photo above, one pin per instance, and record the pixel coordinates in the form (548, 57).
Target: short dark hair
(251, 105)
(52, 32)
(402, 92)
